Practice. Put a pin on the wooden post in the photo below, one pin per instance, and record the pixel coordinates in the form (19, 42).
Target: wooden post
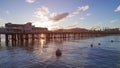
(6, 39)
(33, 39)
(18, 39)
(48, 37)
(0, 39)
(26, 39)
(21, 39)
(13, 40)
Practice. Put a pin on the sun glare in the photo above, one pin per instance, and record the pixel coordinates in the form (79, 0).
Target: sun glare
(44, 25)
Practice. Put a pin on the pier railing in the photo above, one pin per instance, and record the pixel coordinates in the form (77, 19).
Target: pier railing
(16, 31)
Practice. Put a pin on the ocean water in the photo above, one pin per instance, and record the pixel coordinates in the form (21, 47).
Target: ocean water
(76, 53)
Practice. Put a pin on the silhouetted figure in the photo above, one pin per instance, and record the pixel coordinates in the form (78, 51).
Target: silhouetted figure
(91, 45)
(99, 43)
(58, 53)
(112, 41)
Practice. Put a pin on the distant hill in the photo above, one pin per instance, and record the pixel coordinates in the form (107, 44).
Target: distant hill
(72, 30)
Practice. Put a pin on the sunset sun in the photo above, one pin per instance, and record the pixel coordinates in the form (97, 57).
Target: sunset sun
(44, 24)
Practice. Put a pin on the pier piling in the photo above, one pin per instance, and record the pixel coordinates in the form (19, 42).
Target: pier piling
(6, 39)
(0, 39)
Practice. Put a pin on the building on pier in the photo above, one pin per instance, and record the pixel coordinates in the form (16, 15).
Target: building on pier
(28, 27)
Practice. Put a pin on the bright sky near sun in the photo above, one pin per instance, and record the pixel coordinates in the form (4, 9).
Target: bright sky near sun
(55, 14)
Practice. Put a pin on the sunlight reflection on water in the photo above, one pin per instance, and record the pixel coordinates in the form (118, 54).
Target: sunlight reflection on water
(75, 54)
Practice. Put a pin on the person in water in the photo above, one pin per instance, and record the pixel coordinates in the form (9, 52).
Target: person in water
(99, 43)
(112, 41)
(91, 45)
(58, 52)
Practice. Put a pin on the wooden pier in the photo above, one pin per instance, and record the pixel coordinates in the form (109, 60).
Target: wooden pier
(24, 38)
(21, 34)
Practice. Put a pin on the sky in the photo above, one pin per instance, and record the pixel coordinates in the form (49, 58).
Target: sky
(57, 14)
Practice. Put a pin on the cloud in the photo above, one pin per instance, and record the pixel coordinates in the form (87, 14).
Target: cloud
(44, 15)
(82, 8)
(82, 18)
(2, 22)
(114, 21)
(41, 13)
(117, 9)
(53, 18)
(88, 14)
(7, 12)
(79, 9)
(30, 1)
(58, 17)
